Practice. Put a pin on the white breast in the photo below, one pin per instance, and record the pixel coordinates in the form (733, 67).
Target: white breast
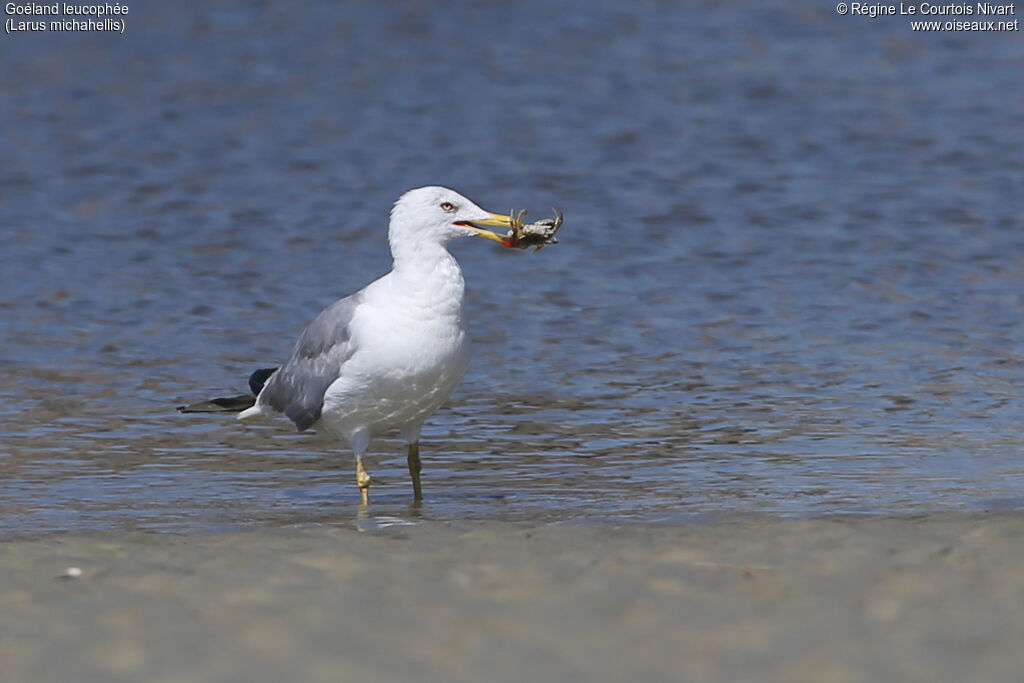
(411, 354)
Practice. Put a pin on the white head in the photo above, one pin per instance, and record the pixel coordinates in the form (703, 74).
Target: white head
(437, 215)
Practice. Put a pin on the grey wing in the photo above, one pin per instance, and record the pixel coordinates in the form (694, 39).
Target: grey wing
(298, 388)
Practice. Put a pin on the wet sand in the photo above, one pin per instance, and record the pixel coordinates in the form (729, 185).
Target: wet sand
(935, 598)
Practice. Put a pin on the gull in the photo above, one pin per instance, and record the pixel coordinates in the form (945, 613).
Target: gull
(387, 357)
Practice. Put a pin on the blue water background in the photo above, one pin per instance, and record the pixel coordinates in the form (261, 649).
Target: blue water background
(789, 281)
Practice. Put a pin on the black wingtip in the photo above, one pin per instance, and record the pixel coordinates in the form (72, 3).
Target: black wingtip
(259, 378)
(234, 404)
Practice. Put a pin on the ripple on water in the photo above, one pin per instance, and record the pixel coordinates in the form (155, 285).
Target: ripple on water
(788, 282)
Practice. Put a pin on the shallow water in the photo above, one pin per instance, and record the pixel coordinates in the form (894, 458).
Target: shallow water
(789, 281)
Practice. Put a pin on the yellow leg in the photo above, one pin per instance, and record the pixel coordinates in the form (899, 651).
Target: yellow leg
(414, 470)
(363, 479)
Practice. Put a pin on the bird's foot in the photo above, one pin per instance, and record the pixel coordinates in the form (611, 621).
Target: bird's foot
(414, 470)
(363, 479)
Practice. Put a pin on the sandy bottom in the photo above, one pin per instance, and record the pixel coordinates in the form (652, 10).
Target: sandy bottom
(919, 599)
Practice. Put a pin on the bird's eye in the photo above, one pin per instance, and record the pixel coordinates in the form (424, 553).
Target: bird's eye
(447, 206)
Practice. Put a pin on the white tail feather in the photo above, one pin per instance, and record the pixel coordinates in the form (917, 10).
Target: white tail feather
(255, 411)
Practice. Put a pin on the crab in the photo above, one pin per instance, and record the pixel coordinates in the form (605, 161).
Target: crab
(532, 234)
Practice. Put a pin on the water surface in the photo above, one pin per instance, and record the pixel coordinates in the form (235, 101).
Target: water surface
(789, 281)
